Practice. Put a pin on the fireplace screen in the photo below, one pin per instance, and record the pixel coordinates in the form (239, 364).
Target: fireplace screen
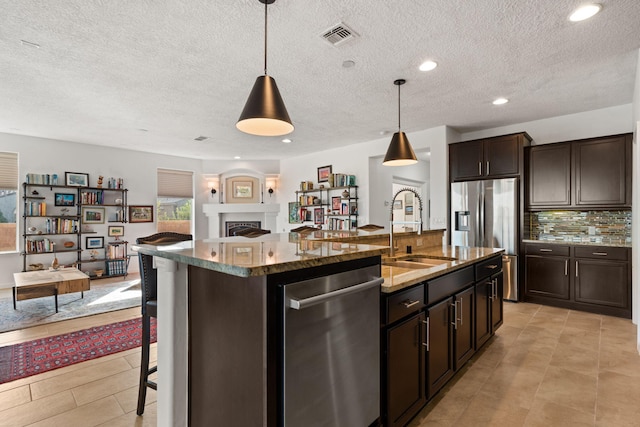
(231, 227)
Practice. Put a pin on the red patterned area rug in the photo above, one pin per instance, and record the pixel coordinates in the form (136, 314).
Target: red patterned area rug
(45, 354)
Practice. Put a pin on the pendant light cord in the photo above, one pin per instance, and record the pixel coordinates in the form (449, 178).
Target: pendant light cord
(265, 38)
(399, 128)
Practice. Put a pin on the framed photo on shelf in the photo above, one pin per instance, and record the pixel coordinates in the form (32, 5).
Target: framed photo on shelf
(242, 189)
(323, 173)
(91, 215)
(116, 231)
(76, 179)
(397, 204)
(92, 242)
(143, 213)
(294, 218)
(64, 199)
(318, 216)
(335, 203)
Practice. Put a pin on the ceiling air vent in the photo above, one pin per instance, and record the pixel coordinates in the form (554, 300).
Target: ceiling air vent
(201, 138)
(339, 34)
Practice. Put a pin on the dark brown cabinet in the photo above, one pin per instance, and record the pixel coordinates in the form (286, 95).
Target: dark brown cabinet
(463, 326)
(406, 392)
(489, 308)
(496, 157)
(440, 366)
(589, 278)
(590, 173)
(550, 175)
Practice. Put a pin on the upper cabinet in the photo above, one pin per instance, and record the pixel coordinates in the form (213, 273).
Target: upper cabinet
(591, 173)
(496, 157)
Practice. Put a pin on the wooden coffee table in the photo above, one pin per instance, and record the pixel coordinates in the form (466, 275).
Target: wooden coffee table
(45, 283)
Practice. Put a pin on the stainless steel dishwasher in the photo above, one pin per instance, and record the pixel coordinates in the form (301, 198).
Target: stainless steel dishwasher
(332, 350)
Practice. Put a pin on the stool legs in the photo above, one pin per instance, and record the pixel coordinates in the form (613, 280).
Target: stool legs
(144, 365)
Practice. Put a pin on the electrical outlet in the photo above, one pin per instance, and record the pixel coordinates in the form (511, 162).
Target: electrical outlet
(418, 242)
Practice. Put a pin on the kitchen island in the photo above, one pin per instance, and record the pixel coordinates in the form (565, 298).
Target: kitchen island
(220, 304)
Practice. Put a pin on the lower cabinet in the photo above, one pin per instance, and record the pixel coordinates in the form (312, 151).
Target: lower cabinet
(405, 378)
(588, 278)
(429, 332)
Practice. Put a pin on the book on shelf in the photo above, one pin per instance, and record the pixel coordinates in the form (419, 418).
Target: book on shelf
(341, 180)
(92, 197)
(42, 179)
(36, 209)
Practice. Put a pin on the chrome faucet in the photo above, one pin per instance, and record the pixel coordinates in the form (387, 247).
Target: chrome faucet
(392, 250)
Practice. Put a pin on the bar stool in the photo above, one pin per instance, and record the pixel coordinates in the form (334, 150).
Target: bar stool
(149, 283)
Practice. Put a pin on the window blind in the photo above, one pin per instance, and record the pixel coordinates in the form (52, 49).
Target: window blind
(175, 183)
(8, 171)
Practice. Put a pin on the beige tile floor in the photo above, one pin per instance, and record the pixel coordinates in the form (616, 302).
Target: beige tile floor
(545, 367)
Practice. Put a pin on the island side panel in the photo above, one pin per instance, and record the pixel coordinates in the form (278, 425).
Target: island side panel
(227, 349)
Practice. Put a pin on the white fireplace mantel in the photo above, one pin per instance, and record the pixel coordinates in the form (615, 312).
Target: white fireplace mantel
(218, 213)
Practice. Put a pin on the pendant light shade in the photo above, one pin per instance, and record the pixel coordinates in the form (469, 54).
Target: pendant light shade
(264, 113)
(399, 152)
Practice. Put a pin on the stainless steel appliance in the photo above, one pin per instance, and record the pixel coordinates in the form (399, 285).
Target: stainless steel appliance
(332, 350)
(485, 213)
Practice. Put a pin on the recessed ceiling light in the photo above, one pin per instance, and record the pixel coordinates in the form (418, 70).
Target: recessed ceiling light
(428, 65)
(585, 12)
(348, 63)
(286, 141)
(30, 44)
(143, 130)
(237, 157)
(500, 101)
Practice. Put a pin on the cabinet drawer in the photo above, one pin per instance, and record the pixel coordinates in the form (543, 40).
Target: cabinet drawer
(601, 252)
(488, 267)
(404, 303)
(548, 249)
(446, 286)
(70, 286)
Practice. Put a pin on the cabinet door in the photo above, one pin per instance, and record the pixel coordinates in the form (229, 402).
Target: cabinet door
(501, 156)
(602, 282)
(406, 392)
(601, 170)
(440, 350)
(497, 302)
(464, 326)
(466, 160)
(483, 311)
(547, 276)
(550, 175)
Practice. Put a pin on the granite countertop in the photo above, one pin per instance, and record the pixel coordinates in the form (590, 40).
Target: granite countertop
(618, 244)
(263, 255)
(358, 235)
(457, 257)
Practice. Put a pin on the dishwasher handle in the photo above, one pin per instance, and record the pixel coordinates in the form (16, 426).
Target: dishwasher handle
(318, 299)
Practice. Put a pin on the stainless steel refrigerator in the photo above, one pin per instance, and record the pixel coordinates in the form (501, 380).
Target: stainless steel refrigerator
(485, 213)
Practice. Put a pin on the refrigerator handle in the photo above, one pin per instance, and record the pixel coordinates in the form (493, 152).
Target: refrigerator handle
(481, 215)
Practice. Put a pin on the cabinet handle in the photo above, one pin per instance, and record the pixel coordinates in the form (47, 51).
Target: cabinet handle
(492, 266)
(479, 168)
(576, 268)
(488, 167)
(546, 250)
(426, 344)
(492, 291)
(600, 253)
(461, 313)
(495, 289)
(408, 303)
(455, 315)
(566, 267)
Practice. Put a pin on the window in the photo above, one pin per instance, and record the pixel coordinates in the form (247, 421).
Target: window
(8, 201)
(175, 201)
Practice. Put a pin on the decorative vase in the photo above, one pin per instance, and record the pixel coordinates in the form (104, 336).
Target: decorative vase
(55, 264)
(345, 194)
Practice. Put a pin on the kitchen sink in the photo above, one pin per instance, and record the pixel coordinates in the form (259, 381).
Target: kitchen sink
(426, 260)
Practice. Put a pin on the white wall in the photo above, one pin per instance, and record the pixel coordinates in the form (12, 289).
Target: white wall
(354, 160)
(589, 124)
(139, 171)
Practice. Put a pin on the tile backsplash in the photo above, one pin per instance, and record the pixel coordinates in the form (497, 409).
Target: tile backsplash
(581, 226)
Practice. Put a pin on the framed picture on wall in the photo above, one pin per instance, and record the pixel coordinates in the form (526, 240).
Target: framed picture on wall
(116, 231)
(76, 179)
(63, 199)
(335, 203)
(91, 215)
(397, 204)
(294, 218)
(242, 189)
(140, 213)
(94, 242)
(323, 173)
(318, 216)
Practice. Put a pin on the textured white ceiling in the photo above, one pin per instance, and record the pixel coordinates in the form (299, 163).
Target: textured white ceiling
(180, 69)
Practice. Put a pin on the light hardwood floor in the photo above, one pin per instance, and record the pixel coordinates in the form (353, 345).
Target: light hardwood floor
(545, 367)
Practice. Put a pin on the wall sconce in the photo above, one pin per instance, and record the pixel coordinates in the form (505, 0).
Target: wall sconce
(271, 183)
(212, 186)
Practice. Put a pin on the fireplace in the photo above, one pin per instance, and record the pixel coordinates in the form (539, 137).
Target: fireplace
(231, 227)
(218, 214)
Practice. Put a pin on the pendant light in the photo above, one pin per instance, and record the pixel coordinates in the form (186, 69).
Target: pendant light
(399, 152)
(264, 113)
